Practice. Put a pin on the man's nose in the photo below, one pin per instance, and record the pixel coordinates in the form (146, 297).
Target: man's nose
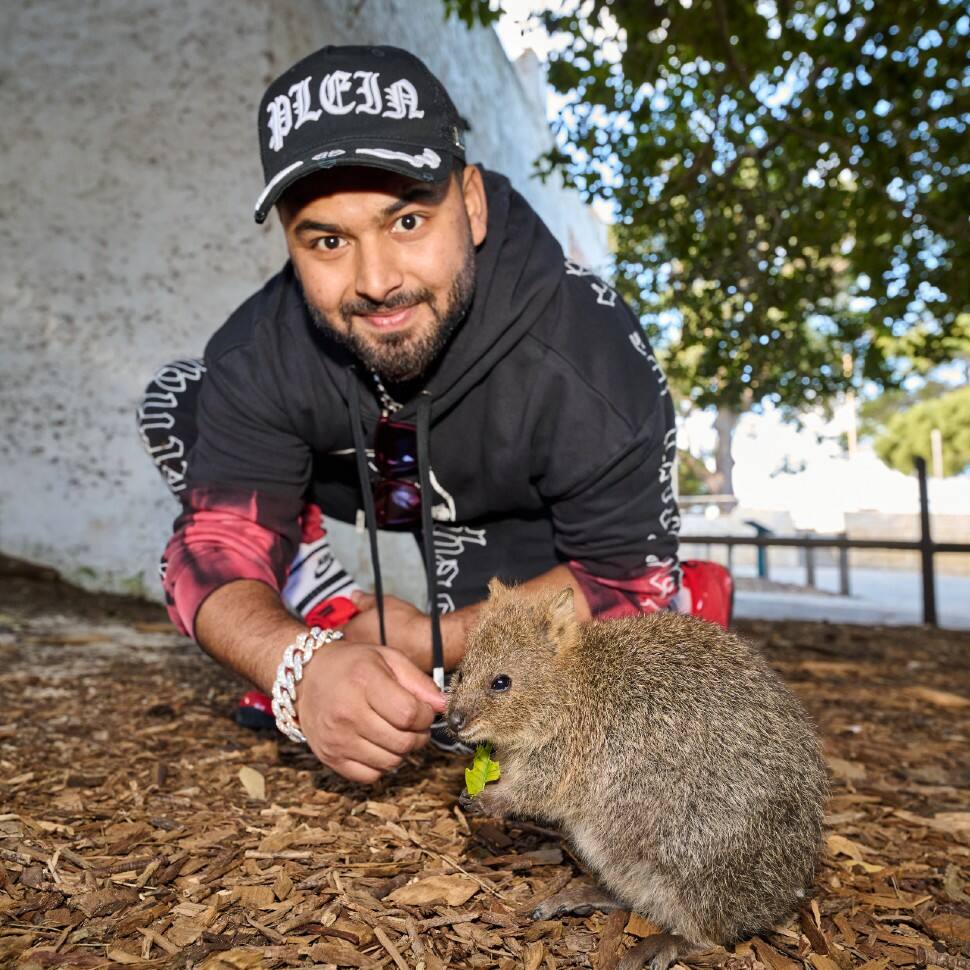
(456, 720)
(378, 275)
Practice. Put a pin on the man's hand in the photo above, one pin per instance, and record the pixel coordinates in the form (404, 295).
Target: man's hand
(408, 629)
(363, 708)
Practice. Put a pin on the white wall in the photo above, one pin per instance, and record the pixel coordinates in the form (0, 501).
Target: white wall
(130, 166)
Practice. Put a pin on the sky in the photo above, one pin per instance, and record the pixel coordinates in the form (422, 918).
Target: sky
(510, 29)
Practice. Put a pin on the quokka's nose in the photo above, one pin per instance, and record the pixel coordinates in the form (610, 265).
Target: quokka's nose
(456, 720)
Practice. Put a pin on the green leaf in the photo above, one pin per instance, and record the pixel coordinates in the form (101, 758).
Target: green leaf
(482, 771)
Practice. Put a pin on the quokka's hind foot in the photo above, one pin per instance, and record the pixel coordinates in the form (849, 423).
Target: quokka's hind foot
(656, 952)
(577, 899)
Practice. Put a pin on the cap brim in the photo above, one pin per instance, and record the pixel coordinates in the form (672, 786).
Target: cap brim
(424, 164)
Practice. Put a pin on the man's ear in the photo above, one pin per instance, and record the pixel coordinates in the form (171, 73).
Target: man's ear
(476, 203)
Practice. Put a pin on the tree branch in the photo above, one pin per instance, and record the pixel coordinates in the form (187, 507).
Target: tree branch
(728, 46)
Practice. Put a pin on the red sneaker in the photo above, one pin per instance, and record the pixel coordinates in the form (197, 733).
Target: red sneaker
(707, 591)
(255, 711)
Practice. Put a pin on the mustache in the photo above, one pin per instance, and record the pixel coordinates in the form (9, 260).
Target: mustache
(364, 306)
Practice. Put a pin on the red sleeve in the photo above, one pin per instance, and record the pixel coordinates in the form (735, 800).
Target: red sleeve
(223, 535)
(646, 592)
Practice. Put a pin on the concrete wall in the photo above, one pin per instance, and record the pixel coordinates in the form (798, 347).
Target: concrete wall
(126, 237)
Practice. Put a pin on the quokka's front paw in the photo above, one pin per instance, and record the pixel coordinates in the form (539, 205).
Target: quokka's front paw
(481, 804)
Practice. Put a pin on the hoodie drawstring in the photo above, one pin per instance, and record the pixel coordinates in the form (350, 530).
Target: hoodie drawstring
(427, 527)
(363, 474)
(427, 521)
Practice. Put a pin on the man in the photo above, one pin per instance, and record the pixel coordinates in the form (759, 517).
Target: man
(429, 356)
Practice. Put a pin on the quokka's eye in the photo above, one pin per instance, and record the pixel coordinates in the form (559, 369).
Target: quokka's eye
(501, 683)
(457, 677)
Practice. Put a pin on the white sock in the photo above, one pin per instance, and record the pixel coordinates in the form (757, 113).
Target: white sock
(315, 575)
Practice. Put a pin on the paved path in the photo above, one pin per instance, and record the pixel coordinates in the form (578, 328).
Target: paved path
(884, 596)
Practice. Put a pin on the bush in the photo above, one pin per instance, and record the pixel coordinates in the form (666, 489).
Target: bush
(907, 434)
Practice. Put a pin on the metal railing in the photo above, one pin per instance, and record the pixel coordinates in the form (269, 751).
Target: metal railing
(924, 545)
(727, 502)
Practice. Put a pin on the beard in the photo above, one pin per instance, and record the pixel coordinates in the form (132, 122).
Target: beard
(400, 357)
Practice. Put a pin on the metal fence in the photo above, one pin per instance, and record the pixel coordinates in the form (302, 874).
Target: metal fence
(925, 546)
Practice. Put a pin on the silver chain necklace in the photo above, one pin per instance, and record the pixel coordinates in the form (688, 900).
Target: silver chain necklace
(388, 404)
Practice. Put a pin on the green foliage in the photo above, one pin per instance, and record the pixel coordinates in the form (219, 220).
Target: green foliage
(692, 475)
(790, 183)
(908, 433)
(473, 11)
(877, 412)
(482, 771)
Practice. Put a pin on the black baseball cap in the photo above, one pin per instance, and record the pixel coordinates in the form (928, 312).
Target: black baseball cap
(356, 105)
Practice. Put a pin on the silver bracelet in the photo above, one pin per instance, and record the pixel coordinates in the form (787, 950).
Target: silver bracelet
(290, 672)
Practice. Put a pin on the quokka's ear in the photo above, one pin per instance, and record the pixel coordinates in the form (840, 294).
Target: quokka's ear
(496, 587)
(563, 625)
(563, 606)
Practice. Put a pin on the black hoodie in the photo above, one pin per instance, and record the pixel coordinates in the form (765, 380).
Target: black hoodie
(551, 431)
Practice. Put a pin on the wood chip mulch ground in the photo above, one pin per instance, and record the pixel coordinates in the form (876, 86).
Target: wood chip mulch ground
(139, 826)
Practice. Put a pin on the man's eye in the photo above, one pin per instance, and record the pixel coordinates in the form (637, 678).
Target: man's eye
(409, 222)
(328, 242)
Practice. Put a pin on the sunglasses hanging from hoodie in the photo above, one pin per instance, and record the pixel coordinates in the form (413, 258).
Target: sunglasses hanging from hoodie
(399, 497)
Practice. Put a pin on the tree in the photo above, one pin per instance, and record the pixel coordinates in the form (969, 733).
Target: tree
(908, 433)
(787, 182)
(693, 478)
(876, 413)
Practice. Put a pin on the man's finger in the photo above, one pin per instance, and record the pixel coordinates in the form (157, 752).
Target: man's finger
(414, 681)
(363, 601)
(365, 751)
(355, 771)
(394, 704)
(424, 718)
(376, 731)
